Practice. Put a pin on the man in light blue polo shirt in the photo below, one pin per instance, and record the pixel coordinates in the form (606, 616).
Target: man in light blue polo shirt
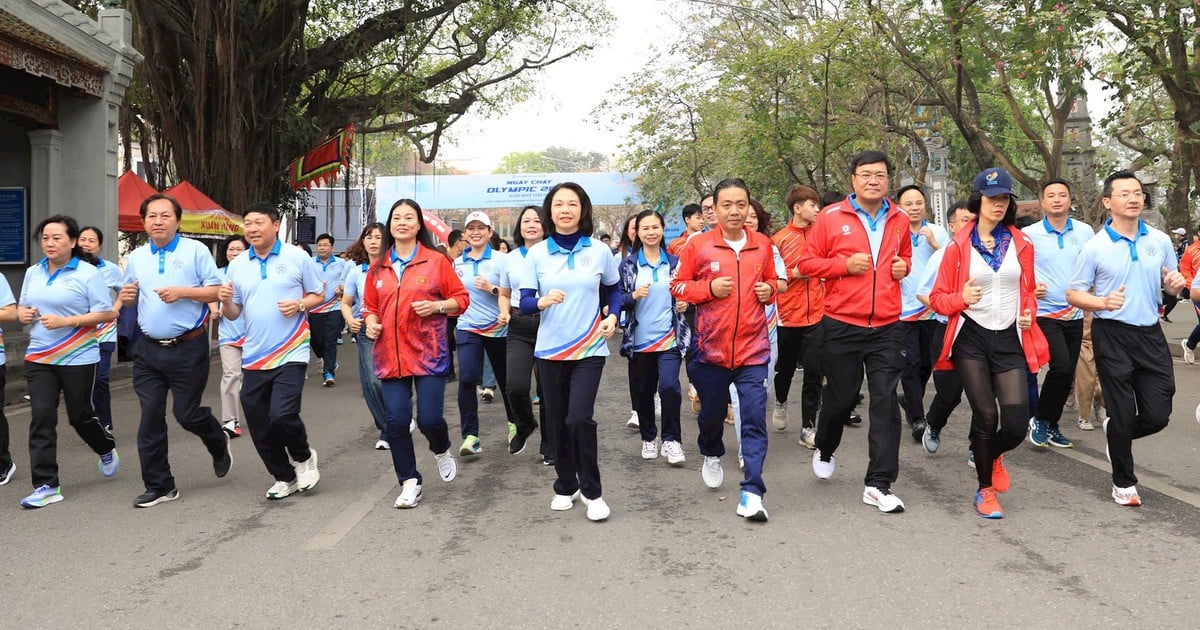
(1057, 242)
(1121, 275)
(325, 319)
(274, 284)
(171, 279)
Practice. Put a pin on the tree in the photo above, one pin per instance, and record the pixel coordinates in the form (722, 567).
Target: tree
(552, 160)
(235, 89)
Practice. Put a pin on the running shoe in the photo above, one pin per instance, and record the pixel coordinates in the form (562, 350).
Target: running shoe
(281, 489)
(750, 507)
(597, 509)
(382, 445)
(649, 450)
(109, 463)
(564, 502)
(918, 429)
(823, 469)
(779, 417)
(1085, 424)
(488, 394)
(8, 473)
(232, 428)
(931, 439)
(883, 499)
(447, 467)
(854, 420)
(986, 504)
(329, 380)
(518, 440)
(1000, 478)
(1189, 354)
(151, 498)
(547, 460)
(632, 423)
(971, 458)
(1038, 432)
(222, 462)
(307, 475)
(711, 472)
(42, 497)
(537, 400)
(410, 494)
(1070, 404)
(512, 430)
(808, 437)
(470, 446)
(1055, 438)
(674, 452)
(1126, 496)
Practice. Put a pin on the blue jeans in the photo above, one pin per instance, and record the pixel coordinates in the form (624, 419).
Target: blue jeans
(712, 383)
(398, 399)
(371, 388)
(101, 397)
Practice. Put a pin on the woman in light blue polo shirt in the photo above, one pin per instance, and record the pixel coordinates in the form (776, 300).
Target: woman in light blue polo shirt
(63, 299)
(231, 336)
(91, 240)
(361, 255)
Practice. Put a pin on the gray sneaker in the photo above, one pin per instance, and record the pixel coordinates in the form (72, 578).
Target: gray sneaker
(931, 439)
(779, 417)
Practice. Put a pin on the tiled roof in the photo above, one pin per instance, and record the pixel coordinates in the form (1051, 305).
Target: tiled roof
(16, 29)
(77, 19)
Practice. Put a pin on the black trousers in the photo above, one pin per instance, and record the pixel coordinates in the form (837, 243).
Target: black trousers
(1065, 338)
(947, 386)
(918, 364)
(45, 383)
(325, 329)
(183, 372)
(1138, 378)
(522, 335)
(651, 372)
(271, 400)
(845, 350)
(800, 346)
(569, 396)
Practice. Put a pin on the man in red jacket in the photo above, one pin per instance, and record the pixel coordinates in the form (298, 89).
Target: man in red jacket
(729, 273)
(861, 247)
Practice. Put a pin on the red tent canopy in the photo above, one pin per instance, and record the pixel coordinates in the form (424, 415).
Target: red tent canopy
(131, 192)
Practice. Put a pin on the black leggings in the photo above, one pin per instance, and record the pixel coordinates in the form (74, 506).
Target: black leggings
(994, 433)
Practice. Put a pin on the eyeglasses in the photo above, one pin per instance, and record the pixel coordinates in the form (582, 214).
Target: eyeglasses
(872, 177)
(1126, 196)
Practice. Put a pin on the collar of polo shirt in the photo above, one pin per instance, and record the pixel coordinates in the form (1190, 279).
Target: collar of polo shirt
(1116, 236)
(553, 248)
(274, 251)
(71, 264)
(487, 254)
(169, 247)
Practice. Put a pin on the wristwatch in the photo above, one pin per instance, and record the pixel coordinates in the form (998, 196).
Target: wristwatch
(495, 290)
(301, 306)
(442, 308)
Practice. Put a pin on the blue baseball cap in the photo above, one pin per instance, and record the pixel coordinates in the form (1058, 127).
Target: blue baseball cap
(993, 182)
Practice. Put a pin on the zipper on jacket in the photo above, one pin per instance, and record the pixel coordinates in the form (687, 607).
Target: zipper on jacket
(737, 312)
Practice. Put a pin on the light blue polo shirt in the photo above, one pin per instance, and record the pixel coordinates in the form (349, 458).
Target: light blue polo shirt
(1054, 256)
(514, 269)
(184, 262)
(76, 289)
(1110, 260)
(570, 331)
(484, 310)
(874, 225)
(922, 251)
(259, 284)
(929, 278)
(655, 331)
(231, 332)
(333, 273)
(6, 298)
(113, 279)
(356, 286)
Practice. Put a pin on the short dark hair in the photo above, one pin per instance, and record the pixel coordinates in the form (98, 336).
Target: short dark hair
(706, 196)
(155, 197)
(830, 197)
(870, 157)
(637, 218)
(900, 193)
(690, 210)
(519, 238)
(727, 183)
(72, 228)
(424, 235)
(586, 226)
(99, 234)
(764, 217)
(1010, 216)
(326, 237)
(452, 239)
(1055, 180)
(262, 207)
(222, 251)
(1122, 174)
(960, 205)
(799, 194)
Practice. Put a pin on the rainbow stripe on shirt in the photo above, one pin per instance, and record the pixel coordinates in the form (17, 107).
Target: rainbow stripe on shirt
(107, 331)
(662, 344)
(285, 352)
(324, 307)
(78, 341)
(581, 347)
(924, 314)
(493, 329)
(1070, 313)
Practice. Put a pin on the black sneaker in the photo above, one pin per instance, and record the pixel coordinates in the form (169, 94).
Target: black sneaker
(222, 463)
(547, 460)
(918, 429)
(151, 498)
(517, 444)
(854, 420)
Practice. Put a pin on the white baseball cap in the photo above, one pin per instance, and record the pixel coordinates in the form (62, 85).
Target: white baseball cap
(1179, 231)
(478, 216)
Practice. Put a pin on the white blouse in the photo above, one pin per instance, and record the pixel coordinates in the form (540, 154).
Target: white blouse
(997, 309)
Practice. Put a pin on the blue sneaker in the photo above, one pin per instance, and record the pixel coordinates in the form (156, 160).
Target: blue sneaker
(109, 463)
(329, 380)
(1056, 438)
(1038, 432)
(42, 497)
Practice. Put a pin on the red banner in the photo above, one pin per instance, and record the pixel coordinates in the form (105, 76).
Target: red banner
(321, 165)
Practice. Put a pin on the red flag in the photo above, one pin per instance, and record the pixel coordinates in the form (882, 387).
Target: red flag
(322, 164)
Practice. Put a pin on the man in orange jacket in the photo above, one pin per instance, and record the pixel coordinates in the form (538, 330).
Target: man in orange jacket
(729, 273)
(862, 249)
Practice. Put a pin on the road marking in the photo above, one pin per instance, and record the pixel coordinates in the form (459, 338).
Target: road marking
(336, 530)
(1157, 482)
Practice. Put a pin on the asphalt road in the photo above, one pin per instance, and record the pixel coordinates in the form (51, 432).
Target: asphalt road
(486, 551)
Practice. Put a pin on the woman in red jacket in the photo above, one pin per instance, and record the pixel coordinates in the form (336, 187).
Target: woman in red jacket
(986, 286)
(409, 292)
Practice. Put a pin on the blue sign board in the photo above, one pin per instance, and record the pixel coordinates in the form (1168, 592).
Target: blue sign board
(449, 192)
(14, 225)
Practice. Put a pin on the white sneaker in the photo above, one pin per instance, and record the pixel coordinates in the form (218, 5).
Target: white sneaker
(410, 494)
(307, 475)
(280, 490)
(564, 502)
(751, 507)
(412, 426)
(597, 509)
(808, 438)
(779, 417)
(823, 470)
(674, 452)
(711, 472)
(1085, 425)
(382, 445)
(882, 499)
(632, 423)
(447, 467)
(1189, 355)
(1101, 413)
(657, 405)
(649, 450)
(1126, 496)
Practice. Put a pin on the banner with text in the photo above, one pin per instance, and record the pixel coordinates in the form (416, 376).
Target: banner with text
(443, 192)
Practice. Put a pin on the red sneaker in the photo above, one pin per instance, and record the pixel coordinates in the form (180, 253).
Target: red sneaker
(1000, 480)
(986, 504)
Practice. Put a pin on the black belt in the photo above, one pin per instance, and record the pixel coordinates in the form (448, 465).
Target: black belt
(175, 341)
